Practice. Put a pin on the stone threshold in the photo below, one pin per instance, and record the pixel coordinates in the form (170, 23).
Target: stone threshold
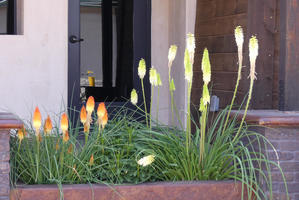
(269, 117)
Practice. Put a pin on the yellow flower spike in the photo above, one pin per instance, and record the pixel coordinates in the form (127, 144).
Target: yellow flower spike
(172, 86)
(239, 36)
(159, 81)
(190, 43)
(101, 110)
(66, 136)
(147, 160)
(153, 76)
(91, 160)
(201, 105)
(64, 122)
(83, 115)
(21, 135)
(37, 120)
(253, 53)
(141, 69)
(205, 95)
(134, 97)
(90, 105)
(48, 126)
(172, 54)
(206, 67)
(188, 67)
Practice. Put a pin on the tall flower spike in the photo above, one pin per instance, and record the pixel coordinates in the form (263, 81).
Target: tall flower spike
(239, 36)
(64, 123)
(141, 69)
(134, 97)
(172, 53)
(206, 67)
(153, 77)
(253, 53)
(37, 120)
(83, 115)
(90, 105)
(147, 160)
(48, 125)
(205, 95)
(101, 110)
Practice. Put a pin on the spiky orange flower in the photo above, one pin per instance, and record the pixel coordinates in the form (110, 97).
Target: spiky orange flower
(104, 120)
(83, 115)
(64, 122)
(101, 110)
(66, 136)
(48, 125)
(91, 161)
(37, 120)
(20, 135)
(90, 105)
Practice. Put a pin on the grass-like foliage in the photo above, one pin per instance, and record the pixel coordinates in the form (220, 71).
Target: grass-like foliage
(131, 147)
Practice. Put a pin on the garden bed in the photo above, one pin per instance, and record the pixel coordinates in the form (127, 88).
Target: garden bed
(203, 190)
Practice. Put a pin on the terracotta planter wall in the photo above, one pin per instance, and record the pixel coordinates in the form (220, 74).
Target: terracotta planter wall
(210, 190)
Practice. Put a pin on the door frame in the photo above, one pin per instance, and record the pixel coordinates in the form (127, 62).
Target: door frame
(141, 49)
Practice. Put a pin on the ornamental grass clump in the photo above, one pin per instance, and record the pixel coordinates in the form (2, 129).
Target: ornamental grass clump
(127, 145)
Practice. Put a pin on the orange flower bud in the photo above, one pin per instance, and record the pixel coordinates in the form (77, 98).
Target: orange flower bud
(83, 115)
(57, 145)
(37, 120)
(70, 149)
(20, 135)
(90, 104)
(86, 128)
(66, 136)
(104, 120)
(101, 110)
(64, 122)
(48, 125)
(91, 161)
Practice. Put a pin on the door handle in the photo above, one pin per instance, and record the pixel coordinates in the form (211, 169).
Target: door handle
(74, 39)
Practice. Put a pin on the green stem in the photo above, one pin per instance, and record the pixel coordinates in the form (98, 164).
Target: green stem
(86, 138)
(246, 108)
(150, 116)
(145, 109)
(157, 114)
(202, 134)
(240, 56)
(188, 128)
(61, 160)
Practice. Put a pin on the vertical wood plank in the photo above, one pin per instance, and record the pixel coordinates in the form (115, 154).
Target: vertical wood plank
(289, 50)
(261, 18)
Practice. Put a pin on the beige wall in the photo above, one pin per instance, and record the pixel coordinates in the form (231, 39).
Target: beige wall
(171, 21)
(33, 66)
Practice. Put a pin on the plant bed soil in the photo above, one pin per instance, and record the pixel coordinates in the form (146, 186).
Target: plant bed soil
(199, 190)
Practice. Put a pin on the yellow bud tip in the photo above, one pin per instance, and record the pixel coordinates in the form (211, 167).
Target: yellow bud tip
(253, 53)
(172, 53)
(190, 43)
(239, 36)
(134, 97)
(147, 160)
(153, 77)
(206, 67)
(141, 69)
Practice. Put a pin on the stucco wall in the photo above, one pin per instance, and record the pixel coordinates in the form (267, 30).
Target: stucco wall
(33, 66)
(171, 21)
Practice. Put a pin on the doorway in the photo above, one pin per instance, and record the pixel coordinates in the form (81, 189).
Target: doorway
(107, 38)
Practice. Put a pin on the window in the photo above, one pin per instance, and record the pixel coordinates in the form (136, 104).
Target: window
(8, 17)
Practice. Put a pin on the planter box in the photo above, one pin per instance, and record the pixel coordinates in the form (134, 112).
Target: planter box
(201, 190)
